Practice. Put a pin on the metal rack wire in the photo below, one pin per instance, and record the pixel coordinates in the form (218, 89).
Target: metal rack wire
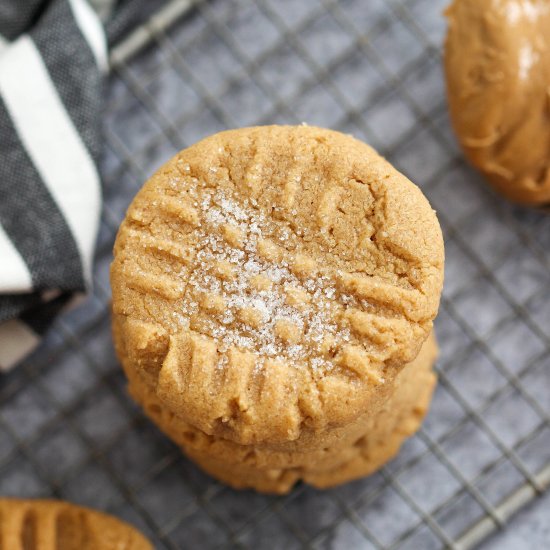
(67, 427)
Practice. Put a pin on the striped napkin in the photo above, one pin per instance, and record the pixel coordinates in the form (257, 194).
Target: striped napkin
(53, 59)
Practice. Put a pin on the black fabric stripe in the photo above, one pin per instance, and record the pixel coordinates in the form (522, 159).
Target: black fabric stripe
(73, 69)
(32, 309)
(13, 305)
(17, 16)
(32, 219)
(40, 317)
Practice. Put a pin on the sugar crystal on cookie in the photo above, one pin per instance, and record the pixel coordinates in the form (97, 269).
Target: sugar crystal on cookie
(258, 313)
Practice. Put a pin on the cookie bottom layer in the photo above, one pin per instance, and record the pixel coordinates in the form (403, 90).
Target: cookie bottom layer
(364, 457)
(370, 443)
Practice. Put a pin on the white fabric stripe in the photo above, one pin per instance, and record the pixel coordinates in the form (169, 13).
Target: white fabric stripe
(52, 141)
(14, 273)
(90, 26)
(16, 340)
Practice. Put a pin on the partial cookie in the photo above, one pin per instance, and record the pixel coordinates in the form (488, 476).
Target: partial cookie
(310, 440)
(270, 283)
(58, 525)
(270, 471)
(497, 65)
(409, 387)
(280, 481)
(367, 455)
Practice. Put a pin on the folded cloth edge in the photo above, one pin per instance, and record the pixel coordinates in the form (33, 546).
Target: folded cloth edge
(51, 80)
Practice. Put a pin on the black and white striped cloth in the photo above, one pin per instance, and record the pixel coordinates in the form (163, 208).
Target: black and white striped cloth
(53, 58)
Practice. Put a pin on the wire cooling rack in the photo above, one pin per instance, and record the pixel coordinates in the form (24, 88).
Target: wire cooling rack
(67, 426)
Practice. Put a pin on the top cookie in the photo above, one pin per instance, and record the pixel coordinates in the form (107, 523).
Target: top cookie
(271, 281)
(497, 62)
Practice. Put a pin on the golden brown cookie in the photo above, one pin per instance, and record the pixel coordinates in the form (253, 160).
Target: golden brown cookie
(269, 283)
(369, 444)
(497, 65)
(56, 525)
(362, 458)
(362, 462)
(409, 387)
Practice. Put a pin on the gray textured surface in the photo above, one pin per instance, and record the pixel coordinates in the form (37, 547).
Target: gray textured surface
(67, 427)
(530, 529)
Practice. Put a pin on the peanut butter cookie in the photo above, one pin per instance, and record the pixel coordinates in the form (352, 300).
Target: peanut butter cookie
(270, 283)
(396, 422)
(57, 525)
(497, 65)
(362, 448)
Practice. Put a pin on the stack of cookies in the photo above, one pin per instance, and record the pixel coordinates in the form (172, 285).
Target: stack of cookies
(274, 290)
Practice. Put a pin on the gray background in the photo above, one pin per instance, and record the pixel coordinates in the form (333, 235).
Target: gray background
(370, 68)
